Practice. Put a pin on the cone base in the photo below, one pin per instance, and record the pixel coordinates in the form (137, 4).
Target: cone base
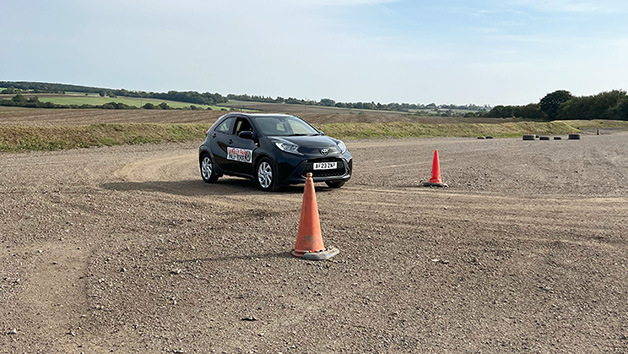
(317, 256)
(432, 184)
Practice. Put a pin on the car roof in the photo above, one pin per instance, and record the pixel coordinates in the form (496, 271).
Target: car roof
(256, 115)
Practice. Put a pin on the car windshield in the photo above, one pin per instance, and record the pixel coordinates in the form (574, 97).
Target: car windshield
(284, 126)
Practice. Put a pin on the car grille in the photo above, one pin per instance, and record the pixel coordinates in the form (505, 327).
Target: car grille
(340, 171)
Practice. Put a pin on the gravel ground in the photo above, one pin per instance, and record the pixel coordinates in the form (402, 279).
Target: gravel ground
(125, 249)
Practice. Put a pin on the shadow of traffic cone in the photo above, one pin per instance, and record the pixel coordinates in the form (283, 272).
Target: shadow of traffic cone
(309, 243)
(436, 180)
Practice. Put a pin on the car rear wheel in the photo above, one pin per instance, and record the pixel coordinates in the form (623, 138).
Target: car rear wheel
(266, 176)
(207, 169)
(335, 184)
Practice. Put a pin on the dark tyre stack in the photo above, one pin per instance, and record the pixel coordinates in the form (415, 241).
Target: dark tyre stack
(529, 137)
(574, 136)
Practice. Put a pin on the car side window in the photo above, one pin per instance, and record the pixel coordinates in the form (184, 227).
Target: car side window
(225, 127)
(242, 124)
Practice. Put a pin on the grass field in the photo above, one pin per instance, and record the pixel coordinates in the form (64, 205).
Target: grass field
(33, 138)
(70, 137)
(298, 108)
(418, 130)
(96, 100)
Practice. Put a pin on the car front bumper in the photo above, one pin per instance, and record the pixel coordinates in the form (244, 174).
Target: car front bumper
(293, 171)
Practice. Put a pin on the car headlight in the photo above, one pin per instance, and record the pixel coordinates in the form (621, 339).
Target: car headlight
(341, 146)
(287, 147)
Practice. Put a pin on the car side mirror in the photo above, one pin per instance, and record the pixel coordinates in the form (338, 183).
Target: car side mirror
(247, 134)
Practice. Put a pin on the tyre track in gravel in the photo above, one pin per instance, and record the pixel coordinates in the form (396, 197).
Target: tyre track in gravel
(533, 212)
(184, 168)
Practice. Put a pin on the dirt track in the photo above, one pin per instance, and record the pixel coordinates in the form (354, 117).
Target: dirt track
(125, 249)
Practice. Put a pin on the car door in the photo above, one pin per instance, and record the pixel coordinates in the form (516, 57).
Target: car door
(240, 151)
(221, 138)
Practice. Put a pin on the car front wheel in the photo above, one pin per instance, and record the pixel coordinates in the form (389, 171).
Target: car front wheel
(207, 169)
(266, 175)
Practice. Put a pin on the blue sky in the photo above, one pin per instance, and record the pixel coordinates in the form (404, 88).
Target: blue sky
(481, 52)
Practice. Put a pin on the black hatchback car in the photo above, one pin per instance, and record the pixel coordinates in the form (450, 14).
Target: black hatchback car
(272, 149)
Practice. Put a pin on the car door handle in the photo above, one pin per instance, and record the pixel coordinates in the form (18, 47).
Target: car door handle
(230, 141)
(213, 136)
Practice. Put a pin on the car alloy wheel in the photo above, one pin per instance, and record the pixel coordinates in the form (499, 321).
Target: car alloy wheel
(207, 169)
(266, 176)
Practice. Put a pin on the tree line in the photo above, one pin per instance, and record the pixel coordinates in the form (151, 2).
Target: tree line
(559, 104)
(327, 102)
(193, 97)
(206, 98)
(562, 104)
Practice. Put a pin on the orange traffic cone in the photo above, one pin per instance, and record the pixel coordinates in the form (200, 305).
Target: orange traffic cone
(309, 243)
(436, 180)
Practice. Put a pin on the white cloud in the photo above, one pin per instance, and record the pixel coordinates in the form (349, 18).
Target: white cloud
(341, 2)
(576, 6)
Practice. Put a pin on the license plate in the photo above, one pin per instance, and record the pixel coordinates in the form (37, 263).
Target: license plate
(325, 165)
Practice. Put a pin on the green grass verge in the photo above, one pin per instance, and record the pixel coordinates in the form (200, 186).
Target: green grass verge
(28, 138)
(596, 123)
(410, 130)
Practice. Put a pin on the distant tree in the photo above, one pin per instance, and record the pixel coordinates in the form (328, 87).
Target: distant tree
(327, 102)
(11, 91)
(19, 98)
(498, 111)
(620, 110)
(148, 105)
(164, 105)
(600, 106)
(550, 104)
(603, 103)
(532, 110)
